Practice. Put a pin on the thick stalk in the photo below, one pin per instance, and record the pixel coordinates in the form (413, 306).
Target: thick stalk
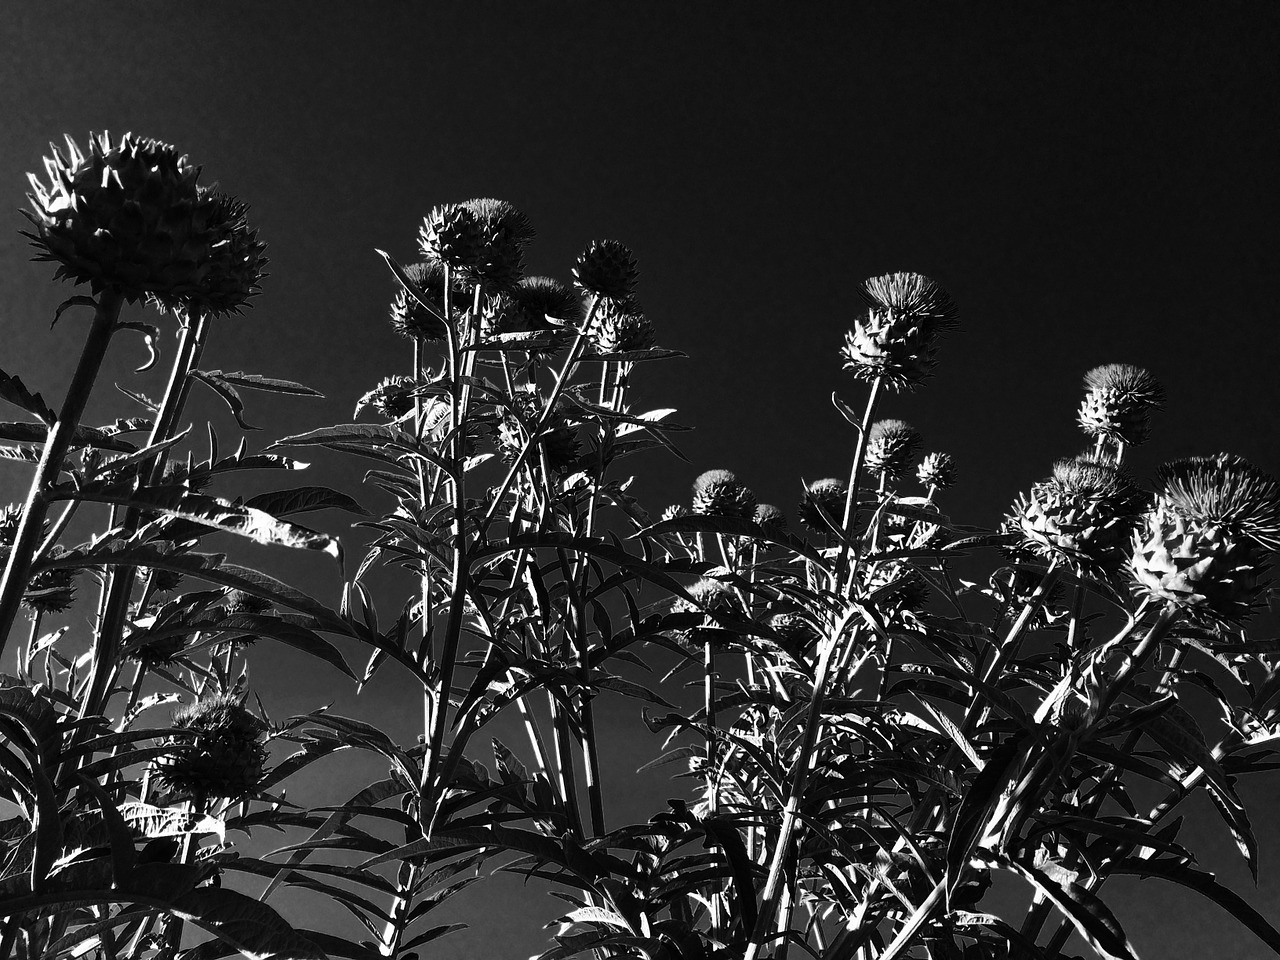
(799, 780)
(31, 526)
(855, 478)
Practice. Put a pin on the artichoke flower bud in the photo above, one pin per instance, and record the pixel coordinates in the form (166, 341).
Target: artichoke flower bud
(712, 598)
(719, 493)
(237, 602)
(409, 318)
(1083, 515)
(890, 446)
(895, 341)
(821, 507)
(675, 511)
(224, 755)
(607, 268)
(51, 591)
(771, 518)
(1118, 401)
(391, 399)
(483, 240)
(1205, 542)
(620, 328)
(129, 215)
(937, 470)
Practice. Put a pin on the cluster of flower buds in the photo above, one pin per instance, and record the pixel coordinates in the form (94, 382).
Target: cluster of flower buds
(129, 215)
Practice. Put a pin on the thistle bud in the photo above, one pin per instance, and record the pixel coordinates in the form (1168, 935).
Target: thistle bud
(1118, 401)
(237, 602)
(129, 215)
(1083, 515)
(223, 755)
(620, 328)
(771, 518)
(607, 268)
(719, 493)
(409, 317)
(1206, 540)
(890, 446)
(895, 341)
(50, 591)
(391, 399)
(937, 471)
(821, 507)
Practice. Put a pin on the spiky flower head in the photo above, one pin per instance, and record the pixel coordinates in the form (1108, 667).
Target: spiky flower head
(1083, 515)
(409, 317)
(483, 240)
(937, 471)
(391, 399)
(50, 591)
(771, 518)
(1118, 402)
(129, 215)
(914, 296)
(712, 598)
(890, 446)
(896, 340)
(162, 581)
(156, 651)
(607, 268)
(719, 493)
(237, 262)
(1206, 540)
(222, 755)
(621, 327)
(821, 506)
(558, 442)
(237, 602)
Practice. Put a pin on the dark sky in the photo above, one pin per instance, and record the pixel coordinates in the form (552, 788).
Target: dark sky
(1092, 182)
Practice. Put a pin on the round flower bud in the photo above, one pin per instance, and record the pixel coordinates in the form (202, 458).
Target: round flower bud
(714, 599)
(223, 755)
(232, 274)
(1205, 542)
(482, 239)
(1118, 401)
(675, 511)
(821, 507)
(607, 268)
(50, 591)
(238, 601)
(409, 317)
(128, 215)
(619, 329)
(719, 493)
(157, 651)
(771, 518)
(391, 399)
(1083, 515)
(162, 581)
(937, 471)
(797, 632)
(890, 446)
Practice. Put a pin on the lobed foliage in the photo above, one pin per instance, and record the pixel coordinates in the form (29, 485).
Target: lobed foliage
(893, 706)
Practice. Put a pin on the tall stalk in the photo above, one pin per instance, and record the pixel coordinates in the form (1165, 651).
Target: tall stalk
(847, 541)
(31, 527)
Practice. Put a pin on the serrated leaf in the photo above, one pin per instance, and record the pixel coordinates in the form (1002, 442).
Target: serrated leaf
(16, 392)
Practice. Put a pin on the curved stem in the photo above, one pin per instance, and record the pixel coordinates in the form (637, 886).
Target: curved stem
(855, 478)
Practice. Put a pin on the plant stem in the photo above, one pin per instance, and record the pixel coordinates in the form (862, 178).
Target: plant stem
(31, 526)
(799, 780)
(855, 478)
